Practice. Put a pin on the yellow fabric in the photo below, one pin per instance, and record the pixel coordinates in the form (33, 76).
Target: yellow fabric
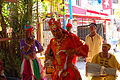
(104, 78)
(111, 63)
(0, 28)
(89, 77)
(97, 78)
(94, 45)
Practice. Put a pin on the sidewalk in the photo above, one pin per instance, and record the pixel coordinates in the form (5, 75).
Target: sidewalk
(81, 67)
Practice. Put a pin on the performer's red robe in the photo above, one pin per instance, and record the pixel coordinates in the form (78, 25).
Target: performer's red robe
(75, 57)
(68, 42)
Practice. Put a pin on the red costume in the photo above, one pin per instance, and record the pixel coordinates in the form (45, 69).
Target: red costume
(1, 65)
(69, 25)
(75, 58)
(58, 48)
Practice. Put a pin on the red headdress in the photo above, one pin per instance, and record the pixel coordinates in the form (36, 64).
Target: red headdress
(54, 24)
(69, 25)
(28, 27)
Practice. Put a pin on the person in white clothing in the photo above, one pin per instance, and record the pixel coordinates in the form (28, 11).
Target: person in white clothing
(94, 42)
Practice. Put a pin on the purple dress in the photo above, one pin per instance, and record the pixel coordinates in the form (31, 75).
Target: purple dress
(31, 69)
(32, 48)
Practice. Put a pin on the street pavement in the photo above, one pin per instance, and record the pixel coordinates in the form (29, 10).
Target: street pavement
(81, 65)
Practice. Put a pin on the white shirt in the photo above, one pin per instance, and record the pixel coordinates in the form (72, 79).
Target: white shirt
(94, 45)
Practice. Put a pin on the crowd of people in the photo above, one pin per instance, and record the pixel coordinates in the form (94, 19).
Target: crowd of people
(62, 52)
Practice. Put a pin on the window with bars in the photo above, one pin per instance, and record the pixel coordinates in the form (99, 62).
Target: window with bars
(83, 31)
(115, 1)
(78, 2)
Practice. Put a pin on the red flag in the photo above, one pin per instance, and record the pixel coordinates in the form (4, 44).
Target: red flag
(107, 4)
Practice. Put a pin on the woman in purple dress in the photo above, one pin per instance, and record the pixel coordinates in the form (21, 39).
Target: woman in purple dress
(31, 68)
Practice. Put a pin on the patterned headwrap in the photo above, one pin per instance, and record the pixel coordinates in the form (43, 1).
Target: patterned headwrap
(54, 24)
(69, 25)
(107, 45)
(28, 27)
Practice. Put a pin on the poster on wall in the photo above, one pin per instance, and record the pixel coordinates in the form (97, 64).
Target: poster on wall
(106, 4)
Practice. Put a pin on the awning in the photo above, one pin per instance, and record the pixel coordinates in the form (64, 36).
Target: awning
(95, 12)
(89, 17)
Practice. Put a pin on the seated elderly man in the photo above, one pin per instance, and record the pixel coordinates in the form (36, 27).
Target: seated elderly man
(107, 60)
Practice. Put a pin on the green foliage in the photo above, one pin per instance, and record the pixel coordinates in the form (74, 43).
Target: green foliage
(44, 5)
(16, 18)
(61, 11)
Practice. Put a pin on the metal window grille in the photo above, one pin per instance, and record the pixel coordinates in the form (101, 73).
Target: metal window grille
(78, 2)
(83, 31)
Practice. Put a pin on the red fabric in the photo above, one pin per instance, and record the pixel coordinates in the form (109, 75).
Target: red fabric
(54, 24)
(31, 29)
(79, 42)
(73, 74)
(68, 42)
(27, 73)
(69, 25)
(80, 47)
(62, 58)
(74, 59)
(1, 65)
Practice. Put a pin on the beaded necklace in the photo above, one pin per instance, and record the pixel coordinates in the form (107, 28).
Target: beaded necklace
(58, 42)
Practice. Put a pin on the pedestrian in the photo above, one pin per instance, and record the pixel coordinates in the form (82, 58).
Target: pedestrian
(94, 42)
(31, 68)
(69, 27)
(61, 50)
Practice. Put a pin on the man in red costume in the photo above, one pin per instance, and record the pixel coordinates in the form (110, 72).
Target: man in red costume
(62, 49)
